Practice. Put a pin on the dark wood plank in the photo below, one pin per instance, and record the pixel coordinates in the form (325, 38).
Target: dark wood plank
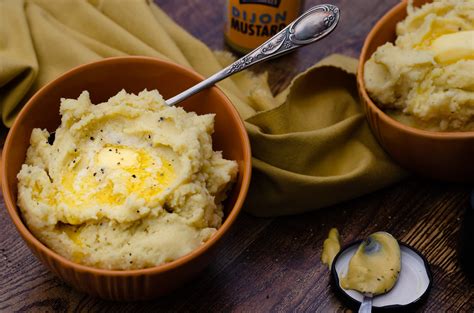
(273, 264)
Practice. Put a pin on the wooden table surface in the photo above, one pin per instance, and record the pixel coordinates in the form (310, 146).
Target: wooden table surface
(274, 264)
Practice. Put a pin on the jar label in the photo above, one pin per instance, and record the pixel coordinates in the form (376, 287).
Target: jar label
(249, 23)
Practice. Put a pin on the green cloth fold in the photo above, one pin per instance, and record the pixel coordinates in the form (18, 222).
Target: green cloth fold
(311, 144)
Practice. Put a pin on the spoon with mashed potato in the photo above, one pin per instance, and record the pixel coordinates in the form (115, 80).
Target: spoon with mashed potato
(374, 268)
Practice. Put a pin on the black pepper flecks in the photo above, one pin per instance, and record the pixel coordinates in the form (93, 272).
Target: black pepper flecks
(167, 208)
(134, 176)
(92, 138)
(51, 138)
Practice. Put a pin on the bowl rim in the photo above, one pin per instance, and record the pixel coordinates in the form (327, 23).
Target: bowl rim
(30, 239)
(402, 6)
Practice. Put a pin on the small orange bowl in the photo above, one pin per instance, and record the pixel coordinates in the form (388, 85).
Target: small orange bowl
(440, 155)
(104, 79)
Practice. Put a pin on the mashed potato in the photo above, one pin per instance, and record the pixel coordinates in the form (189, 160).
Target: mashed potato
(426, 79)
(129, 183)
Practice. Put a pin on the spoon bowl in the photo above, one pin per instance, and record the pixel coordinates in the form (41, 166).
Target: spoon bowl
(410, 291)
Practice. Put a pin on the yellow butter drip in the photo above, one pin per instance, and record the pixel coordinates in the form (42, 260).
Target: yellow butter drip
(437, 29)
(73, 234)
(331, 247)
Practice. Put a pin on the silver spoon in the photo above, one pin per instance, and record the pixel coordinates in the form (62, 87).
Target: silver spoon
(366, 305)
(311, 26)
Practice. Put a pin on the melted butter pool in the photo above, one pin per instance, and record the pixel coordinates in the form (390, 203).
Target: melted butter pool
(116, 172)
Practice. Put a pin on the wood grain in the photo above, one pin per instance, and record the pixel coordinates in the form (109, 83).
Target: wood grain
(273, 264)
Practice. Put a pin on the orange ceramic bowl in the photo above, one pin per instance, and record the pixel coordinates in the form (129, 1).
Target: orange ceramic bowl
(439, 155)
(104, 79)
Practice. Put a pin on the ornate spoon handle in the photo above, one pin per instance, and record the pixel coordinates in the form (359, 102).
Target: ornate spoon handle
(311, 26)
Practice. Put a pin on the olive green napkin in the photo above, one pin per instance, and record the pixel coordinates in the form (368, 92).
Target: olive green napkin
(311, 145)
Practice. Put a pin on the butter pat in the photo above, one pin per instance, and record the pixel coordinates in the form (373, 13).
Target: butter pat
(453, 47)
(117, 157)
